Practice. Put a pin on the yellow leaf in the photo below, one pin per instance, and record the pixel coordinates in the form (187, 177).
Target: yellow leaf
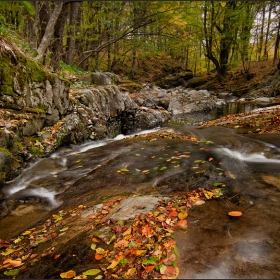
(182, 215)
(101, 251)
(8, 251)
(127, 232)
(140, 252)
(26, 232)
(68, 274)
(113, 264)
(156, 213)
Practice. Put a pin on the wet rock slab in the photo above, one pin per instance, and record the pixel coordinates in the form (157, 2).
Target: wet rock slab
(135, 205)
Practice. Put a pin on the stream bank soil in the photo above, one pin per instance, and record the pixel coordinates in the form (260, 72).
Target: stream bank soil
(160, 166)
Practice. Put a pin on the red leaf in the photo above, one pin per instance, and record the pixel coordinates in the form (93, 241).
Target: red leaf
(118, 229)
(56, 256)
(170, 270)
(4, 243)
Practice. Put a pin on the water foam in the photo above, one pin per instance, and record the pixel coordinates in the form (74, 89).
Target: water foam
(254, 157)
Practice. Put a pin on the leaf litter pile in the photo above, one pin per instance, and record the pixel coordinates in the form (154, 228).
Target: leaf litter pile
(266, 120)
(141, 247)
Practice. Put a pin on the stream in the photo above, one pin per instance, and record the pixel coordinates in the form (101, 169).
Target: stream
(216, 246)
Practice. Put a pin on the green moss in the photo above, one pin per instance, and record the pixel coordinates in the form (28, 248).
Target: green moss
(18, 146)
(36, 151)
(2, 176)
(35, 72)
(37, 110)
(6, 72)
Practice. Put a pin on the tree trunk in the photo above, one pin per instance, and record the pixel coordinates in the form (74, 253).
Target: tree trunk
(262, 33)
(276, 47)
(57, 52)
(46, 41)
(71, 41)
(265, 52)
(209, 37)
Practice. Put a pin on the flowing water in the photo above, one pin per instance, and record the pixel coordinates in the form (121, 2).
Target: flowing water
(215, 246)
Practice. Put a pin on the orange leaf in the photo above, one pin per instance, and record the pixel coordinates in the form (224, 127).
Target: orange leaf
(68, 274)
(210, 159)
(235, 213)
(170, 270)
(171, 242)
(14, 263)
(182, 224)
(96, 239)
(140, 252)
(147, 231)
(98, 256)
(56, 256)
(149, 268)
(173, 213)
(92, 217)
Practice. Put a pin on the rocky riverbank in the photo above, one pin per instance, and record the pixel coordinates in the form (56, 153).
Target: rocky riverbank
(40, 112)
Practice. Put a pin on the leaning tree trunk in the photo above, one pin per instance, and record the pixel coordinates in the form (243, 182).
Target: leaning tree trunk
(49, 31)
(57, 48)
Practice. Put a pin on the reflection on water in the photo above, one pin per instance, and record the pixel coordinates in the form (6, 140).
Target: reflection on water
(233, 107)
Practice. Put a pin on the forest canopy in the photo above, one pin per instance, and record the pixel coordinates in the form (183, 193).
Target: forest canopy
(112, 35)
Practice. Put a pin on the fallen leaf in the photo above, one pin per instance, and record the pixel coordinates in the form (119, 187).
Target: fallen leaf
(12, 272)
(170, 270)
(92, 272)
(182, 215)
(68, 274)
(92, 217)
(113, 264)
(98, 256)
(147, 231)
(162, 269)
(7, 252)
(96, 239)
(14, 263)
(122, 244)
(140, 252)
(101, 251)
(199, 202)
(127, 232)
(182, 224)
(124, 170)
(235, 213)
(173, 213)
(149, 268)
